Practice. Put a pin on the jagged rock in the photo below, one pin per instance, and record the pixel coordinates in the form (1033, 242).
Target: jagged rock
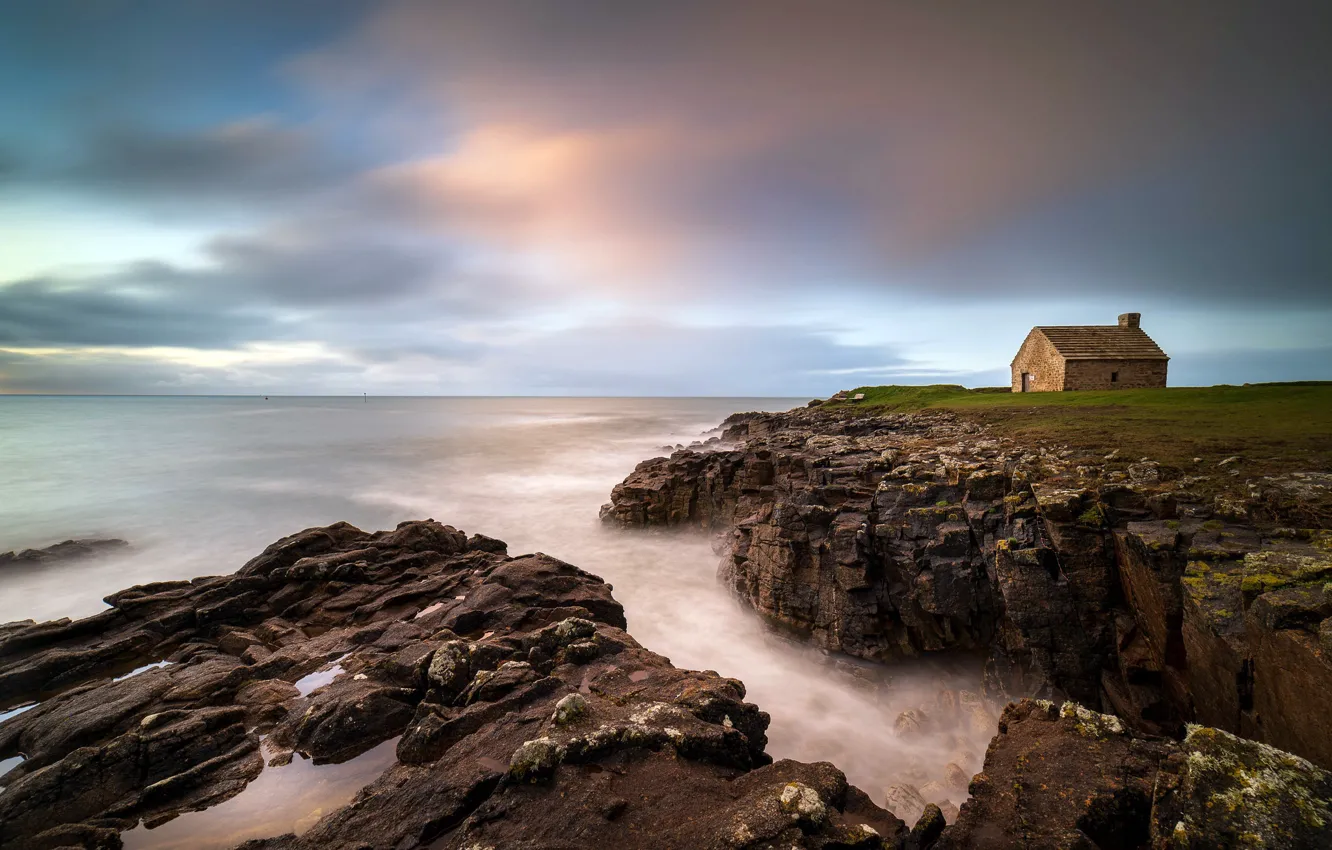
(1066, 776)
(818, 539)
(956, 778)
(509, 685)
(1220, 790)
(886, 537)
(905, 801)
(1251, 633)
(949, 810)
(928, 828)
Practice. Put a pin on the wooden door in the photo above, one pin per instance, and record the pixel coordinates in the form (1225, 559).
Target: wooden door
(1026, 382)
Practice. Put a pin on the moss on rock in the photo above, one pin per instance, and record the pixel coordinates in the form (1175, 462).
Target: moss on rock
(1232, 792)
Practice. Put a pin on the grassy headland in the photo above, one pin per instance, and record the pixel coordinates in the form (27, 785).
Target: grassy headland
(1275, 428)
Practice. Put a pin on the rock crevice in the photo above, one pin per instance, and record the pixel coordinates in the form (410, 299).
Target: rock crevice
(522, 710)
(890, 536)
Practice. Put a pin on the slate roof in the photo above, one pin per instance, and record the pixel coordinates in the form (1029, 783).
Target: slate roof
(1102, 342)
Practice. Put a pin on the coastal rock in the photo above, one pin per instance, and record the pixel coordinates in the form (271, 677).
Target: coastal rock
(889, 536)
(1066, 776)
(506, 687)
(69, 550)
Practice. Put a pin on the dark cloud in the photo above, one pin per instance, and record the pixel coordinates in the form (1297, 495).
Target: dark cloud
(1240, 224)
(108, 312)
(954, 149)
(323, 269)
(746, 163)
(767, 146)
(249, 164)
(92, 374)
(272, 286)
(254, 161)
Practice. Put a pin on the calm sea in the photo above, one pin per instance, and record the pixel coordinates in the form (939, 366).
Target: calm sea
(200, 485)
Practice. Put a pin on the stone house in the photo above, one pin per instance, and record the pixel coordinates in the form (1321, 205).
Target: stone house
(1089, 357)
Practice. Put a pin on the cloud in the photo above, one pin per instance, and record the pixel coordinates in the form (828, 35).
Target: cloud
(129, 308)
(763, 148)
(626, 359)
(286, 284)
(255, 160)
(250, 164)
(468, 196)
(103, 371)
(890, 146)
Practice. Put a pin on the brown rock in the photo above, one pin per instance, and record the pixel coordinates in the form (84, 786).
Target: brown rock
(481, 702)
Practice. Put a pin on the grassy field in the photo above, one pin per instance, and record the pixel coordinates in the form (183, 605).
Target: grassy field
(1276, 428)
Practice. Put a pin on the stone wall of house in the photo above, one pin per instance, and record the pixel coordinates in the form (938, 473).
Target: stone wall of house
(1095, 374)
(1040, 358)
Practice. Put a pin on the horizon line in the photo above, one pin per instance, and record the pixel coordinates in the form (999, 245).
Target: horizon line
(588, 396)
(364, 395)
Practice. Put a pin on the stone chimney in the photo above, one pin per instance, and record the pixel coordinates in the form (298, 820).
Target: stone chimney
(1129, 320)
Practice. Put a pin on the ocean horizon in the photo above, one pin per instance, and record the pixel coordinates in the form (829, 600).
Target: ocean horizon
(198, 485)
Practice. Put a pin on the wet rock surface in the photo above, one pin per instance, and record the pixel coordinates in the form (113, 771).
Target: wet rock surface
(518, 703)
(890, 536)
(69, 550)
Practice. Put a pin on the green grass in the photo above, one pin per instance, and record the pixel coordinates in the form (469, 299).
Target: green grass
(1276, 428)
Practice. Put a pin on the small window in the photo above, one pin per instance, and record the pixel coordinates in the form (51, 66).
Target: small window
(1114, 377)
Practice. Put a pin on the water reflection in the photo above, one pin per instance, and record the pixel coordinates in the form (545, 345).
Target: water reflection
(325, 675)
(284, 799)
(15, 712)
(137, 670)
(6, 765)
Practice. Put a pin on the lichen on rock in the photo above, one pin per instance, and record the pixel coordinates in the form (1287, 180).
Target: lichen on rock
(569, 709)
(1224, 790)
(803, 802)
(450, 668)
(535, 760)
(1091, 724)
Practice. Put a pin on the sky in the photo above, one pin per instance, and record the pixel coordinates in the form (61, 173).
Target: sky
(621, 197)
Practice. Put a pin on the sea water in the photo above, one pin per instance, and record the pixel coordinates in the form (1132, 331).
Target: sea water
(199, 485)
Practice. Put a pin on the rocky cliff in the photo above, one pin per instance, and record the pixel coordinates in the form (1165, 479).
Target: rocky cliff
(487, 701)
(1113, 582)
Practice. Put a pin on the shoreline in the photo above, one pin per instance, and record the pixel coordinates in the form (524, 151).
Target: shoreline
(239, 663)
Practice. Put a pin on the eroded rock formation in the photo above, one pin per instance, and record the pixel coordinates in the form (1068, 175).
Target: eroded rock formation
(524, 714)
(517, 712)
(891, 536)
(1064, 776)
